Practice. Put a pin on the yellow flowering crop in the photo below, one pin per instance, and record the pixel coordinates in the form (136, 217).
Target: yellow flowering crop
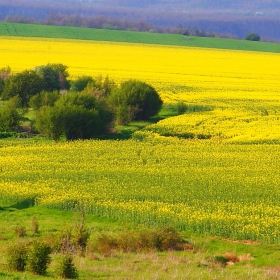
(208, 186)
(179, 73)
(221, 189)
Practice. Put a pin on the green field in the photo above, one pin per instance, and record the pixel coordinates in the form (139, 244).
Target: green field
(32, 30)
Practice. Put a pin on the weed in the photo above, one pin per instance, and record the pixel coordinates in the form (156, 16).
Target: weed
(20, 231)
(35, 226)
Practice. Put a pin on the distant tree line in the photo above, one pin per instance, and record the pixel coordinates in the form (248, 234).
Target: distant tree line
(156, 16)
(103, 22)
(82, 108)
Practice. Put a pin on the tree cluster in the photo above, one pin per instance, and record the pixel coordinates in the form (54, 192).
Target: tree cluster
(82, 108)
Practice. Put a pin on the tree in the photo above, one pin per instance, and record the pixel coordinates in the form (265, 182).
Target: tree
(80, 83)
(50, 77)
(134, 100)
(4, 74)
(62, 73)
(24, 85)
(252, 37)
(2, 84)
(48, 122)
(75, 116)
(9, 116)
(38, 257)
(44, 98)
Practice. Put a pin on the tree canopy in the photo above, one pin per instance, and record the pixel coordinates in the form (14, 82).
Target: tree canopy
(89, 109)
(135, 100)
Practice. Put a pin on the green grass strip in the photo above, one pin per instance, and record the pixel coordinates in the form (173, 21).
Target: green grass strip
(66, 32)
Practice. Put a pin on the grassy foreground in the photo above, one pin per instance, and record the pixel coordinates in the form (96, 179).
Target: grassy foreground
(66, 32)
(256, 261)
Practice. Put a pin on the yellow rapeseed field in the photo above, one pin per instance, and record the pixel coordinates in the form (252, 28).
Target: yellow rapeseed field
(207, 187)
(221, 181)
(178, 73)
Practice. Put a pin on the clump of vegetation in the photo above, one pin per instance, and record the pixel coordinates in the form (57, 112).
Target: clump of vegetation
(17, 256)
(252, 37)
(161, 239)
(38, 257)
(20, 230)
(181, 107)
(73, 239)
(134, 100)
(88, 110)
(66, 269)
(35, 225)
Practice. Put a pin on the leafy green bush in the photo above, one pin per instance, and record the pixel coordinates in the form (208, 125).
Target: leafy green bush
(24, 85)
(44, 98)
(17, 256)
(38, 257)
(66, 269)
(80, 83)
(75, 116)
(80, 237)
(9, 115)
(181, 107)
(134, 100)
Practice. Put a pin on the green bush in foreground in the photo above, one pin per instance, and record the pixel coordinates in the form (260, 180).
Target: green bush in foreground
(66, 269)
(38, 257)
(17, 257)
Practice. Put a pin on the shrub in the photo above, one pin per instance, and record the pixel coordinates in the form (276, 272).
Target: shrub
(24, 85)
(20, 231)
(80, 83)
(81, 237)
(75, 116)
(9, 115)
(169, 239)
(63, 242)
(134, 100)
(66, 269)
(105, 244)
(44, 98)
(17, 257)
(160, 239)
(38, 257)
(181, 107)
(252, 37)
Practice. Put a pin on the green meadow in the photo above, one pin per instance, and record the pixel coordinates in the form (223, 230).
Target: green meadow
(66, 32)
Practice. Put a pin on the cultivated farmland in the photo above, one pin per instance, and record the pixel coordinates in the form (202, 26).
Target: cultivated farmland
(213, 188)
(223, 181)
